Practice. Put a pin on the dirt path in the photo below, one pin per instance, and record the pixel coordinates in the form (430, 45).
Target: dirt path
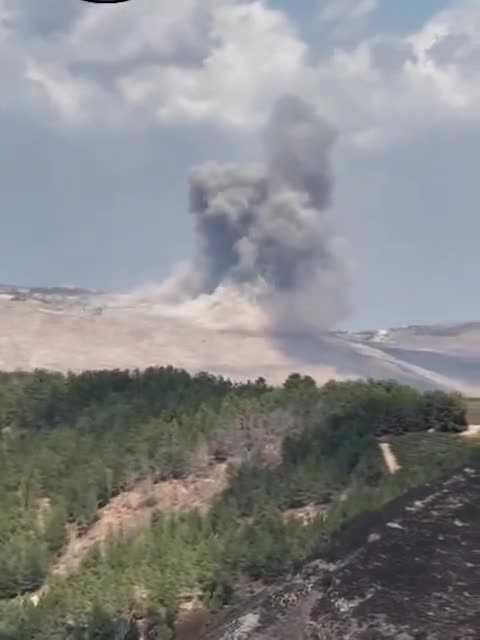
(389, 457)
(473, 431)
(132, 511)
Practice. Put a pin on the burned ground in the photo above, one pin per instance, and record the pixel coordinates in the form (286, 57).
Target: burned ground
(408, 572)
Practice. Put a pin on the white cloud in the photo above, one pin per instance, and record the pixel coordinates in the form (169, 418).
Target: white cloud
(226, 61)
(454, 78)
(71, 97)
(345, 10)
(191, 60)
(343, 21)
(387, 87)
(145, 27)
(255, 55)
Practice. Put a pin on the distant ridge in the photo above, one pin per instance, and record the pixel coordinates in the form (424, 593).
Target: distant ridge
(47, 291)
(73, 328)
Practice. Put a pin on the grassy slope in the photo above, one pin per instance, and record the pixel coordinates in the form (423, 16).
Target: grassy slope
(431, 452)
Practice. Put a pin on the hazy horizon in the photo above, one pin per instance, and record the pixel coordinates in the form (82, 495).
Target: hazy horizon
(107, 110)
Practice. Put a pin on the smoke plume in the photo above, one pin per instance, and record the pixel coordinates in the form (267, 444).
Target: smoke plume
(265, 229)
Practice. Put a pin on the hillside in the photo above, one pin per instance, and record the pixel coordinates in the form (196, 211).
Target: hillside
(144, 505)
(70, 329)
(409, 571)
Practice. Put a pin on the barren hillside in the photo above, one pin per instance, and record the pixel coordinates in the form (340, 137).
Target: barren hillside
(73, 330)
(132, 510)
(407, 572)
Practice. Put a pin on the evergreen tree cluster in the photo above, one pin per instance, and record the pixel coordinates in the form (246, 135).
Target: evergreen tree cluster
(68, 444)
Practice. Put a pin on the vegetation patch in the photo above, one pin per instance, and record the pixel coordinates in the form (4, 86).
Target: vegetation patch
(94, 453)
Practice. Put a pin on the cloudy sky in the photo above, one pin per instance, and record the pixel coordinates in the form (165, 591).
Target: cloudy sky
(105, 110)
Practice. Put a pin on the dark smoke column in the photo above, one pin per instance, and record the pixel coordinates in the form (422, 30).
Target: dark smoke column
(267, 228)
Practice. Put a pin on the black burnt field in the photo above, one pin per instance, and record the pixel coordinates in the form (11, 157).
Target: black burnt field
(408, 572)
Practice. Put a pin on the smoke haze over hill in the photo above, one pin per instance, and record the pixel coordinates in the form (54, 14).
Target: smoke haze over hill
(265, 230)
(260, 296)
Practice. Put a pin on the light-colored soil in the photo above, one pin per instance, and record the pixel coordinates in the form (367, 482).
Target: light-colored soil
(305, 515)
(225, 333)
(132, 511)
(389, 457)
(76, 338)
(473, 431)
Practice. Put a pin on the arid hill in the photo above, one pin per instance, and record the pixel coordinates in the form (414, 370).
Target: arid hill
(70, 329)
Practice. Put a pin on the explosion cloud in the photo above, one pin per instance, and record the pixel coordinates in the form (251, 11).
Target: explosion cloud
(266, 228)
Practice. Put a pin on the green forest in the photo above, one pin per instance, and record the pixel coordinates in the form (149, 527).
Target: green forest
(69, 444)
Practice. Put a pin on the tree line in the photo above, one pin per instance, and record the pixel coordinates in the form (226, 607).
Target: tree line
(69, 443)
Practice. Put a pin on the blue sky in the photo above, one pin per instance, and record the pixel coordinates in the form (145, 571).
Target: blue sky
(105, 110)
(399, 17)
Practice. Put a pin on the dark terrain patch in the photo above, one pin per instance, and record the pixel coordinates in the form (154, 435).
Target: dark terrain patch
(408, 572)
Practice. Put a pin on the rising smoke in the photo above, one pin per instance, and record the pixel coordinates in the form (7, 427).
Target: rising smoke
(265, 229)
